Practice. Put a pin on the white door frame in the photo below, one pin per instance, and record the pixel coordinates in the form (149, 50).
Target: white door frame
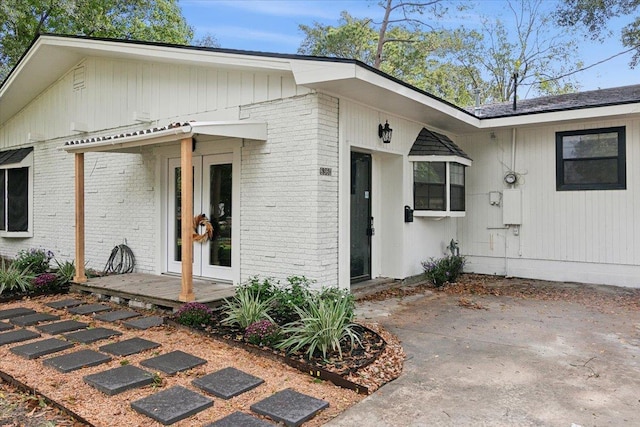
(221, 152)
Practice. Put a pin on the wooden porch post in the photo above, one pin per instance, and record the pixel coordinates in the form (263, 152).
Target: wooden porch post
(186, 188)
(80, 276)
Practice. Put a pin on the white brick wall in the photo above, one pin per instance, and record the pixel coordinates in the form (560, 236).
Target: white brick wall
(289, 213)
(119, 205)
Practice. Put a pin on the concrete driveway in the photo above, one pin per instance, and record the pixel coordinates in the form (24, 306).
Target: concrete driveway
(521, 362)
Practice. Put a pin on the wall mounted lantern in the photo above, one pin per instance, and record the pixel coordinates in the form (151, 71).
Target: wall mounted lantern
(385, 132)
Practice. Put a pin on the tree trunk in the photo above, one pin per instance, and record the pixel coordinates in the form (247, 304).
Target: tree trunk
(382, 34)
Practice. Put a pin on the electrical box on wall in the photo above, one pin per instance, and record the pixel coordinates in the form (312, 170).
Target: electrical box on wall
(511, 207)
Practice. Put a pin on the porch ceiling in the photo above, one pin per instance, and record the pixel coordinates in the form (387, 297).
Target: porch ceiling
(171, 133)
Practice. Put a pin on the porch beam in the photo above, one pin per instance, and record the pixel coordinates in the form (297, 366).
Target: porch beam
(186, 212)
(80, 276)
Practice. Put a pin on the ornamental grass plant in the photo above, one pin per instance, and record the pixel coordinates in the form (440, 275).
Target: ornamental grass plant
(15, 279)
(323, 325)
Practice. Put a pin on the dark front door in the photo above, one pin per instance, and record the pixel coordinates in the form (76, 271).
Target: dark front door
(361, 220)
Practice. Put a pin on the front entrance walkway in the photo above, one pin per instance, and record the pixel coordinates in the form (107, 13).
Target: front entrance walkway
(159, 290)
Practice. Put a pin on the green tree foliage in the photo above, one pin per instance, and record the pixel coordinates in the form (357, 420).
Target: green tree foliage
(595, 15)
(148, 20)
(410, 55)
(451, 63)
(526, 53)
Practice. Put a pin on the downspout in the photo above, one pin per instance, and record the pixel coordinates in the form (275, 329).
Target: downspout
(513, 168)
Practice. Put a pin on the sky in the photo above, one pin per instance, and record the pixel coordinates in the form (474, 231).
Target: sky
(273, 26)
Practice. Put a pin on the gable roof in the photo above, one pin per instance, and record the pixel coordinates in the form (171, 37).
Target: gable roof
(430, 143)
(51, 56)
(569, 101)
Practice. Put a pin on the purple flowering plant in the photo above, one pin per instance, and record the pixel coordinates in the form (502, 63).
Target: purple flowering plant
(194, 314)
(262, 332)
(45, 281)
(443, 270)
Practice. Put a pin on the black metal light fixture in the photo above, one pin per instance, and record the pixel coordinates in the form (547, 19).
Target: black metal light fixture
(385, 132)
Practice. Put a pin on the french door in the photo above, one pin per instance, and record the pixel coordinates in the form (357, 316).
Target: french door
(212, 196)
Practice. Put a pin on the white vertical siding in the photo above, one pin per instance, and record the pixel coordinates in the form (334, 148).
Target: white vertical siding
(594, 227)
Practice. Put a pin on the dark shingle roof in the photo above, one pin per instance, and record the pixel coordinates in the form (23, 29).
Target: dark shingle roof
(569, 101)
(14, 156)
(429, 143)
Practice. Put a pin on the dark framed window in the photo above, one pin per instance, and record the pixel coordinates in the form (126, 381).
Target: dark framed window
(429, 186)
(438, 186)
(16, 191)
(457, 186)
(591, 159)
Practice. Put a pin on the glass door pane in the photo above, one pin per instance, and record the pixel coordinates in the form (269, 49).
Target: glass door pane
(361, 221)
(220, 214)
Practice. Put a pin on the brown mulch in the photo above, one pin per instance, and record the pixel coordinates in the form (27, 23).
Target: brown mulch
(101, 410)
(607, 299)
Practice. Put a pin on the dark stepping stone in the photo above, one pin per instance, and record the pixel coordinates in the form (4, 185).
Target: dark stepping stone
(91, 335)
(173, 362)
(227, 383)
(15, 312)
(40, 348)
(120, 379)
(144, 322)
(172, 405)
(77, 360)
(112, 316)
(65, 303)
(61, 327)
(33, 319)
(130, 346)
(89, 308)
(240, 419)
(17, 336)
(4, 326)
(289, 407)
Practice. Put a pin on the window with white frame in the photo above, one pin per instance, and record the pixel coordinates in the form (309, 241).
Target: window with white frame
(16, 192)
(438, 186)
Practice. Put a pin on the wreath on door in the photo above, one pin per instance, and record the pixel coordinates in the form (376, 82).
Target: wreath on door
(202, 221)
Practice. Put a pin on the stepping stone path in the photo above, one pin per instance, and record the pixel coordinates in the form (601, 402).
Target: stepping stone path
(15, 312)
(17, 336)
(144, 322)
(33, 319)
(166, 406)
(4, 326)
(61, 327)
(65, 303)
(113, 316)
(88, 308)
(88, 336)
(77, 360)
(173, 362)
(240, 419)
(128, 347)
(120, 379)
(227, 383)
(289, 407)
(41, 348)
(172, 405)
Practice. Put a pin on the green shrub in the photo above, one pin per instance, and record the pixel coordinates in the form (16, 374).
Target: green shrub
(14, 279)
(35, 260)
(246, 307)
(443, 270)
(286, 298)
(324, 324)
(262, 332)
(65, 271)
(193, 314)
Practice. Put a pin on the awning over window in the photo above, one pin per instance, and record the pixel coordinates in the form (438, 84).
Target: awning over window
(14, 156)
(429, 143)
(173, 132)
